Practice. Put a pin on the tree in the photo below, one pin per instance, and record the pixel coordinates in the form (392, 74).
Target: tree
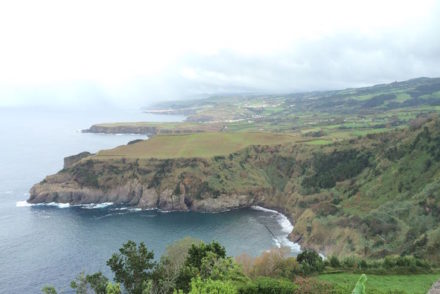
(98, 282)
(275, 263)
(132, 266)
(224, 269)
(197, 252)
(193, 262)
(334, 262)
(167, 271)
(49, 290)
(79, 284)
(112, 288)
(310, 261)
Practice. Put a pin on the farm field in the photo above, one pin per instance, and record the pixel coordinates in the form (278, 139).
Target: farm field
(196, 145)
(381, 284)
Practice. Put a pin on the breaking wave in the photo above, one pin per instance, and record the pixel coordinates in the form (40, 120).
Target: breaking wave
(286, 228)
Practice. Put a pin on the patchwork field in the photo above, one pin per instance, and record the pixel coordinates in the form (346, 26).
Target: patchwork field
(196, 145)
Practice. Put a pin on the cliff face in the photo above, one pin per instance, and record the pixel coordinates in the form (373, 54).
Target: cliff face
(162, 184)
(365, 196)
(152, 130)
(122, 129)
(71, 160)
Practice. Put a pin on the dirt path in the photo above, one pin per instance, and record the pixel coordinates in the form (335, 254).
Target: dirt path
(435, 289)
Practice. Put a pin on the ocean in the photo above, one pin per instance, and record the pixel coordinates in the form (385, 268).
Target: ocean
(51, 244)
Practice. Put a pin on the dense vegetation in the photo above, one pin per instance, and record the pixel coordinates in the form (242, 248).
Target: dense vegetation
(191, 266)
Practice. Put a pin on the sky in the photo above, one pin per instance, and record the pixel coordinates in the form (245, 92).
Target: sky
(134, 53)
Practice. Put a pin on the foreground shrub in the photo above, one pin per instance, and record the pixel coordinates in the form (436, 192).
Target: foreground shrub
(274, 263)
(310, 262)
(265, 285)
(211, 286)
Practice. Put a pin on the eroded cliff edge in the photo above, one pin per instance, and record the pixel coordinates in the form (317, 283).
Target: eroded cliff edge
(362, 196)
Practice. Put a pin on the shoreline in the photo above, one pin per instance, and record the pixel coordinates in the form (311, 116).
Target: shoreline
(286, 227)
(279, 240)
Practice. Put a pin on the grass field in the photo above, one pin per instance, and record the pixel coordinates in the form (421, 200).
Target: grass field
(196, 145)
(410, 284)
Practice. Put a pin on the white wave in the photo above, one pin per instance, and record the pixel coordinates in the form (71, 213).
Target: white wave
(95, 205)
(255, 207)
(23, 203)
(9, 192)
(286, 228)
(59, 205)
(132, 209)
(27, 194)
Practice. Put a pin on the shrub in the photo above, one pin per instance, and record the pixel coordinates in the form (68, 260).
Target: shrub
(310, 262)
(334, 262)
(265, 285)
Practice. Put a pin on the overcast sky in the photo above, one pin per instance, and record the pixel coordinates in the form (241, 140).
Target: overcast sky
(133, 53)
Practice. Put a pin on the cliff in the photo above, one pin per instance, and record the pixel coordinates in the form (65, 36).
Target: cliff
(151, 129)
(372, 196)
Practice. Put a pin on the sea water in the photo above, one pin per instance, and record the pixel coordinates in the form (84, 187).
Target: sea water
(51, 244)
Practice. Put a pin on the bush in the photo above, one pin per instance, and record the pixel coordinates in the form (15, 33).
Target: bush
(310, 262)
(211, 286)
(334, 262)
(265, 285)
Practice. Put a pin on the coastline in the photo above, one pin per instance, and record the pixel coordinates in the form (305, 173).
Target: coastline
(280, 240)
(287, 228)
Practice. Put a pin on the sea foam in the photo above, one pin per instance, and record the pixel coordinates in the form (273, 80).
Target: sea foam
(286, 228)
(24, 203)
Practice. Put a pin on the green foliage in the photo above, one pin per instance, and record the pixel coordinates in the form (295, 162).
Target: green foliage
(197, 252)
(132, 266)
(199, 286)
(265, 285)
(206, 254)
(334, 262)
(390, 264)
(334, 167)
(113, 288)
(381, 284)
(311, 285)
(98, 282)
(169, 268)
(79, 284)
(310, 262)
(360, 285)
(49, 290)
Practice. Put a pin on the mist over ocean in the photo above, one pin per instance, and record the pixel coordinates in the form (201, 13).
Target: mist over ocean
(42, 245)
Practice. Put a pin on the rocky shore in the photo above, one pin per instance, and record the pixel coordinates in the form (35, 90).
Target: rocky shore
(122, 129)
